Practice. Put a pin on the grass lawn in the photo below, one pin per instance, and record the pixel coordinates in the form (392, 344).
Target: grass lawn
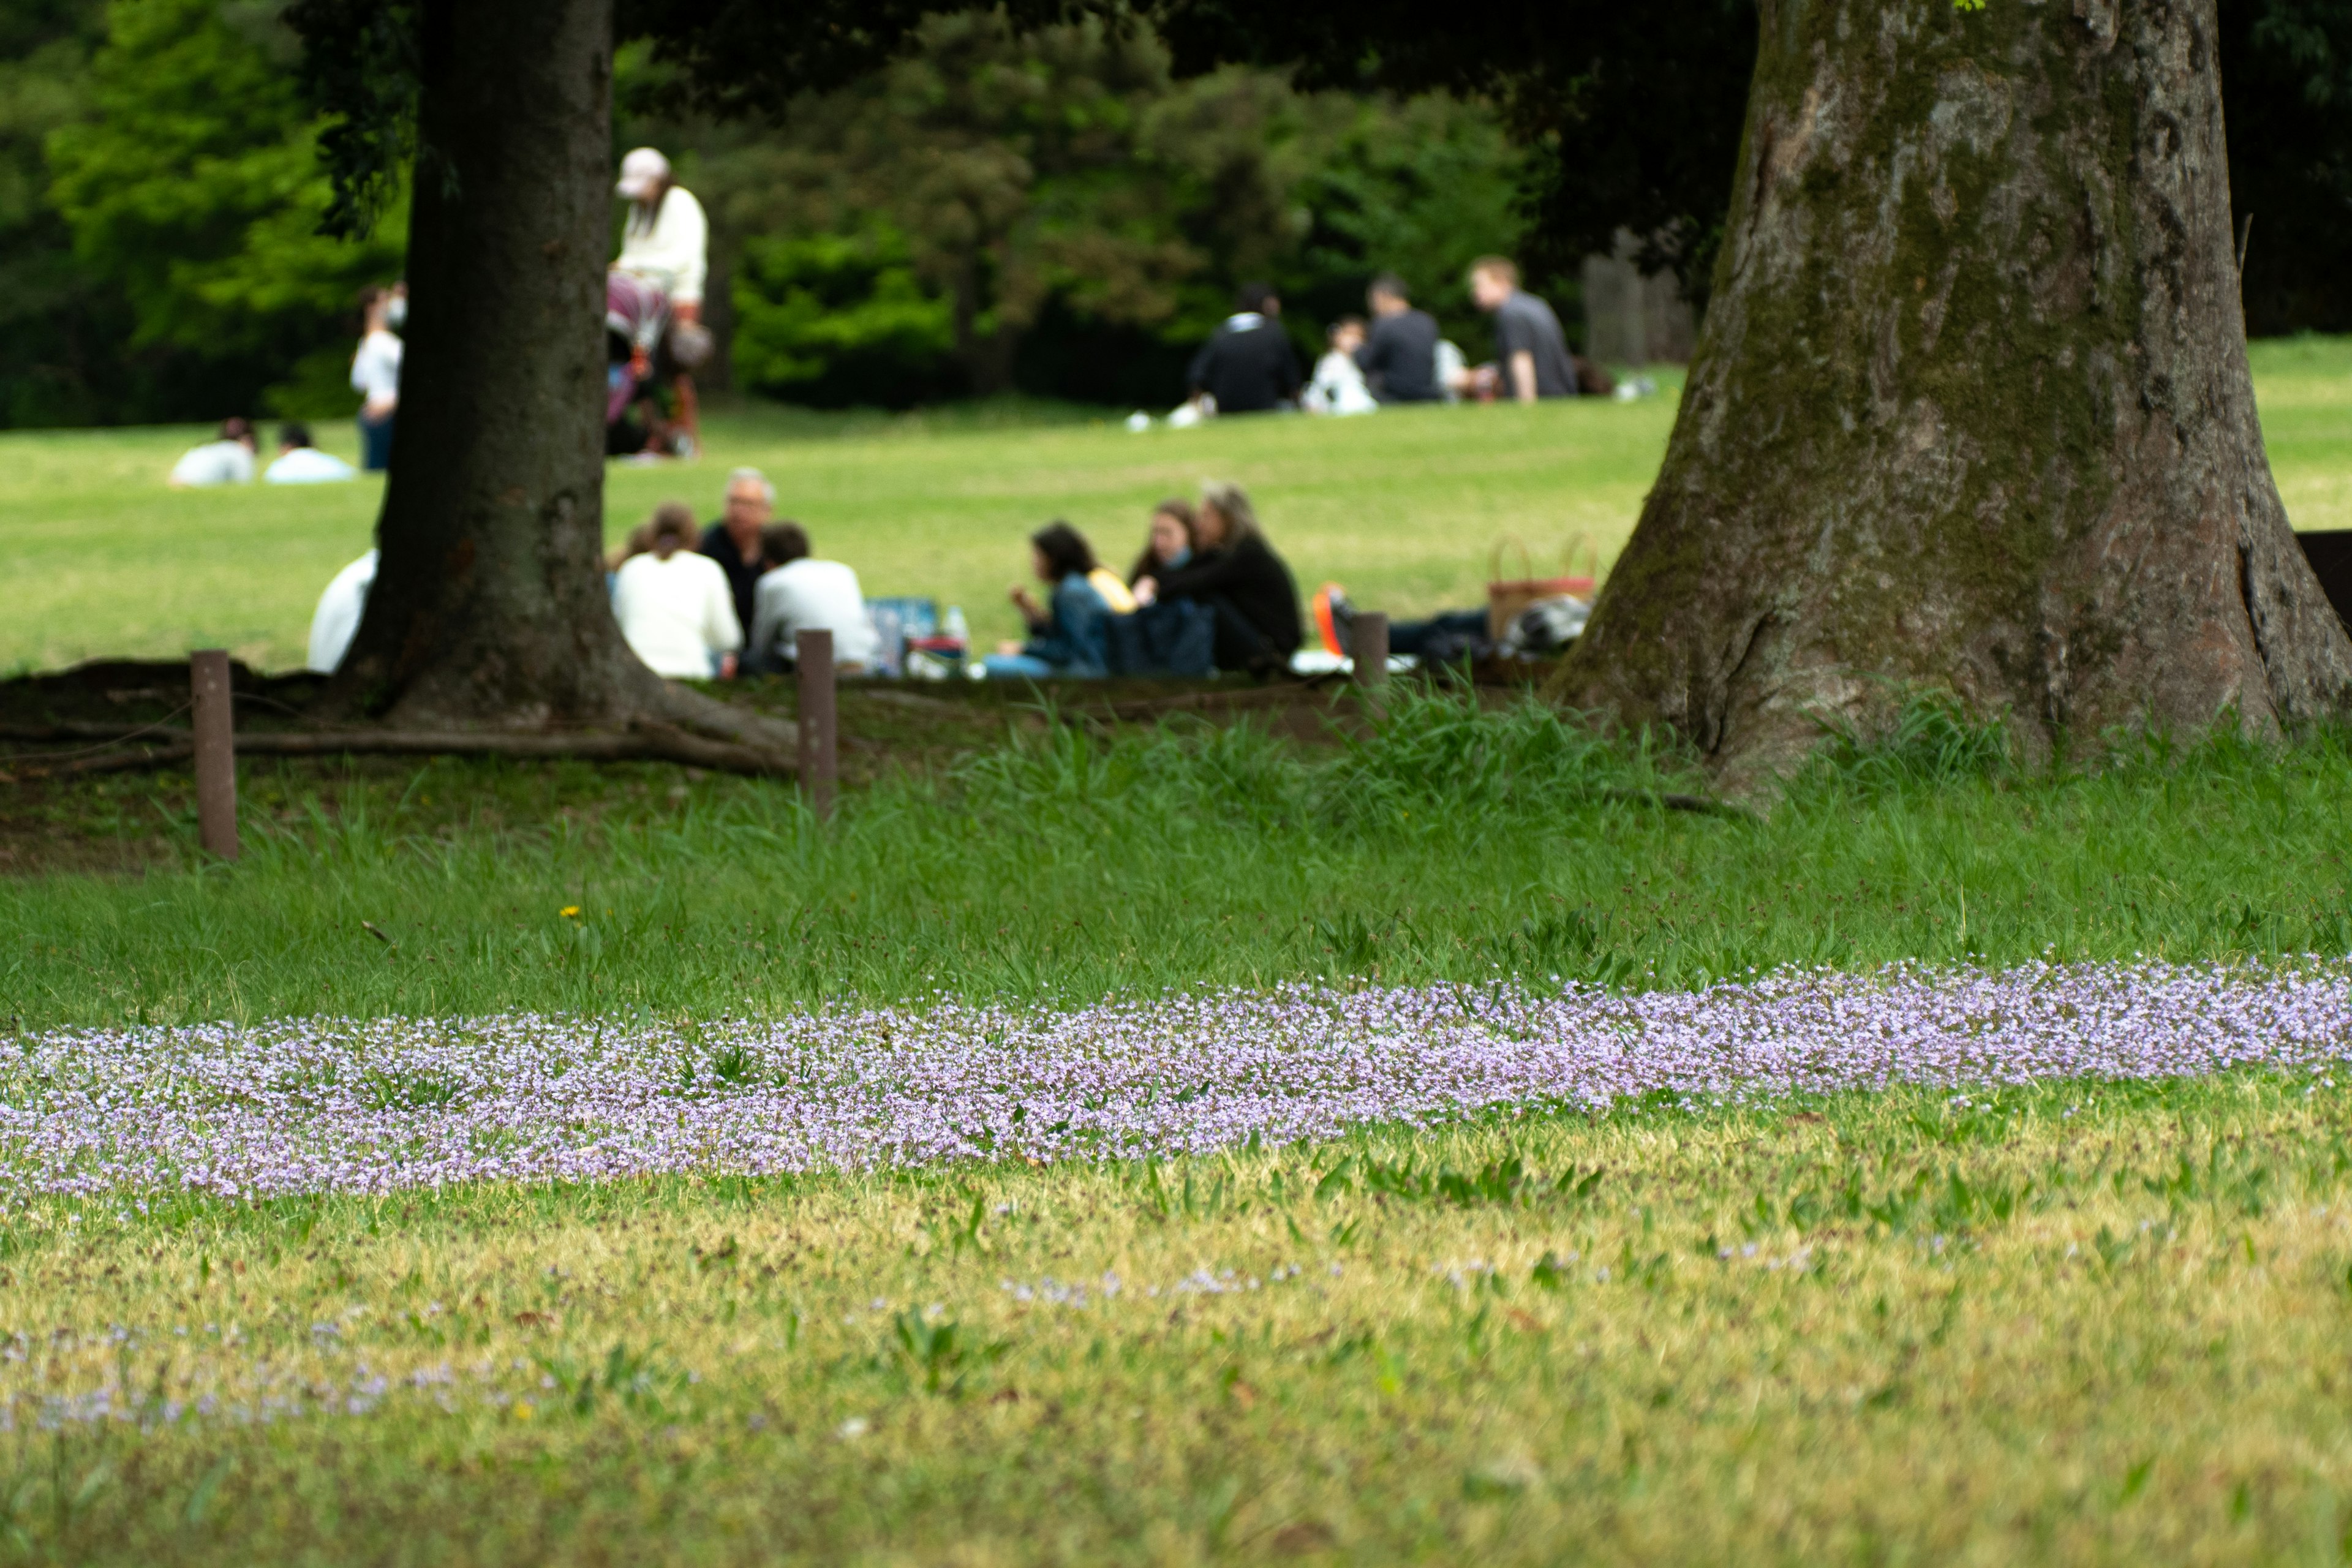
(2080, 1324)
(1345, 1134)
(1405, 508)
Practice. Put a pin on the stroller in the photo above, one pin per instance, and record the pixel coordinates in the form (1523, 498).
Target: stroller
(649, 361)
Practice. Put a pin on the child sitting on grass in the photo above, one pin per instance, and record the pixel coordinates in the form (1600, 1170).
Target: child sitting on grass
(1070, 636)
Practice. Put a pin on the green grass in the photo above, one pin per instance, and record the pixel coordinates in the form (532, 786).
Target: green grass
(1440, 842)
(1405, 508)
(2076, 1324)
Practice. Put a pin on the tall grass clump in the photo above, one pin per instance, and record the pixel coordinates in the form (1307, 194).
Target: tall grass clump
(1431, 837)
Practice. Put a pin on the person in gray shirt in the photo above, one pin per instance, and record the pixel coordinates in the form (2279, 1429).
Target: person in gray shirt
(1529, 348)
(1398, 356)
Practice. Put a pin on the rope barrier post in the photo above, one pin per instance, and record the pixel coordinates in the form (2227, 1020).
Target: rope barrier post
(214, 729)
(1371, 637)
(819, 753)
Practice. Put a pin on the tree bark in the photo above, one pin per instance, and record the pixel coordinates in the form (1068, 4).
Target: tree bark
(489, 608)
(1970, 408)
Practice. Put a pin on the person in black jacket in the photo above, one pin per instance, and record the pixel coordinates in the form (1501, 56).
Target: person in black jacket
(1236, 574)
(1399, 359)
(1248, 365)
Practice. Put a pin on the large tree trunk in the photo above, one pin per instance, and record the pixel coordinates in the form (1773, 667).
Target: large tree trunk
(1970, 408)
(489, 606)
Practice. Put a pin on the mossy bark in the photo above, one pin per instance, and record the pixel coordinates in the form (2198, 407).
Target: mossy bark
(1970, 407)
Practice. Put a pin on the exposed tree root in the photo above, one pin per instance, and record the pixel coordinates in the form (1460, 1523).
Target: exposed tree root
(645, 741)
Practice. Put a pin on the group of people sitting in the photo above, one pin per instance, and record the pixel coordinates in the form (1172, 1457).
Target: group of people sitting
(1399, 355)
(229, 459)
(684, 595)
(1208, 592)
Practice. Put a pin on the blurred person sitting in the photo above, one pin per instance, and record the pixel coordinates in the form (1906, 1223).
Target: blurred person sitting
(673, 605)
(1398, 356)
(226, 459)
(375, 370)
(1236, 574)
(1169, 545)
(1531, 355)
(800, 594)
(736, 539)
(337, 619)
(1248, 367)
(299, 463)
(1068, 637)
(1339, 386)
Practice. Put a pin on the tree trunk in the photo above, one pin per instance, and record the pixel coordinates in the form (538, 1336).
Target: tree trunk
(1970, 407)
(489, 608)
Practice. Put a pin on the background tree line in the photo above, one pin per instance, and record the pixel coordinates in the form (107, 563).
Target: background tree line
(1062, 212)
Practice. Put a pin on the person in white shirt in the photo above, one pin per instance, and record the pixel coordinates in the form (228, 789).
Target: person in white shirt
(666, 243)
(301, 463)
(667, 240)
(337, 619)
(1338, 387)
(676, 610)
(375, 370)
(800, 594)
(225, 461)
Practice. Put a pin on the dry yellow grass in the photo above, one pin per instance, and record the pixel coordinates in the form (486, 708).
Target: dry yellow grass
(2072, 1324)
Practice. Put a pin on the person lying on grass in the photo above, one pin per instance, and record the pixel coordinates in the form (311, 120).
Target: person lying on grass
(1070, 636)
(676, 609)
(1236, 574)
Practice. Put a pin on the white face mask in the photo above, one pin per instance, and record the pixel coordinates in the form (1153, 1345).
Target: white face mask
(395, 313)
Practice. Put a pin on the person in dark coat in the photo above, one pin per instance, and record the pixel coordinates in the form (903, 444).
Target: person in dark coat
(1248, 365)
(1399, 357)
(1235, 573)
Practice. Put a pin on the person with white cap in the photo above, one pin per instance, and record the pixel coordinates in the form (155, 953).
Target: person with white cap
(666, 243)
(668, 239)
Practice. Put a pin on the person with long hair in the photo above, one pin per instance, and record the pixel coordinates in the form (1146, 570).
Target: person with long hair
(676, 609)
(1169, 544)
(1238, 574)
(1069, 635)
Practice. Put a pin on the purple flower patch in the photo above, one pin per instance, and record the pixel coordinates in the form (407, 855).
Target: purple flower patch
(322, 1105)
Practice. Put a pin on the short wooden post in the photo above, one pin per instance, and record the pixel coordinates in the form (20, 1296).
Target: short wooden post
(214, 729)
(813, 660)
(1370, 634)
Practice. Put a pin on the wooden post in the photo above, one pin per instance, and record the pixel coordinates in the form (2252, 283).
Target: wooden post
(1370, 634)
(813, 663)
(214, 729)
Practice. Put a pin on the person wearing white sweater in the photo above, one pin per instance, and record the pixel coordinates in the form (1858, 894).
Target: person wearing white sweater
(676, 610)
(800, 593)
(666, 239)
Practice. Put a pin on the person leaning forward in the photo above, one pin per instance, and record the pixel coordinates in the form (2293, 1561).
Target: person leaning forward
(1398, 356)
(1238, 574)
(1530, 350)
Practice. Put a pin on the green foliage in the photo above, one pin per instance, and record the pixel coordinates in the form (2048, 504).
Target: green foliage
(195, 186)
(51, 371)
(1070, 217)
(839, 318)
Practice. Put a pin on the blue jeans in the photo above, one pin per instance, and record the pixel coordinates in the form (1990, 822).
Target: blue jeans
(1017, 667)
(376, 443)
